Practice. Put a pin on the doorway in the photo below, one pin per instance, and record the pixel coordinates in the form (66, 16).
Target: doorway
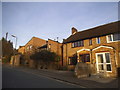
(103, 62)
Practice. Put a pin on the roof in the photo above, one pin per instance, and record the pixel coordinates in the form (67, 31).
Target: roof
(94, 32)
(53, 40)
(34, 38)
(44, 46)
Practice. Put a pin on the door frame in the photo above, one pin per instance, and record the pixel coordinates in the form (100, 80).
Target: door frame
(104, 62)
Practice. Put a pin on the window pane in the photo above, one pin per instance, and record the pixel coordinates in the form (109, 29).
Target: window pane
(108, 67)
(87, 58)
(82, 58)
(81, 43)
(101, 67)
(107, 55)
(90, 42)
(98, 40)
(78, 43)
(100, 58)
(72, 44)
(116, 36)
(109, 38)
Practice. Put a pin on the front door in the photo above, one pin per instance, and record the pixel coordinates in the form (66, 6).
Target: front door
(103, 62)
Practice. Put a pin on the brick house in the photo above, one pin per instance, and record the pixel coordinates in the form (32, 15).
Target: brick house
(21, 49)
(98, 46)
(31, 45)
(29, 48)
(38, 44)
(53, 46)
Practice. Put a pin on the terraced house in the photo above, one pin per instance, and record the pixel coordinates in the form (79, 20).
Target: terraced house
(98, 46)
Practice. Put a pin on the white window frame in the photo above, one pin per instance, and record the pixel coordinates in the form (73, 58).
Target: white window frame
(97, 40)
(90, 42)
(30, 47)
(73, 45)
(104, 62)
(112, 39)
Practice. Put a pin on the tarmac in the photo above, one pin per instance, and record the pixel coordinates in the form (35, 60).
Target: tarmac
(69, 77)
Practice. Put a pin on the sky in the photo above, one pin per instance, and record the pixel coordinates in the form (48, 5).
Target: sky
(53, 19)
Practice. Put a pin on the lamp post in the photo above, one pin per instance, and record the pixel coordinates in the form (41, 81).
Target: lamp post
(15, 47)
(16, 40)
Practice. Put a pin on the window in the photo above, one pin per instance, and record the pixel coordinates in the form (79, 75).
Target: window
(73, 45)
(116, 36)
(72, 61)
(85, 58)
(90, 41)
(109, 37)
(98, 40)
(113, 37)
(27, 48)
(78, 43)
(82, 43)
(30, 47)
(103, 62)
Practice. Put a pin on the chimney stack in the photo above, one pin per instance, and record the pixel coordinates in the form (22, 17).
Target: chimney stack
(74, 30)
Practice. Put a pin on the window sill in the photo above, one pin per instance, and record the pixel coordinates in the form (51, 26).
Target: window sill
(112, 41)
(76, 47)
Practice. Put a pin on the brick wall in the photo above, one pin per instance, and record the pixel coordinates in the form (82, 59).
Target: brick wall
(21, 50)
(68, 51)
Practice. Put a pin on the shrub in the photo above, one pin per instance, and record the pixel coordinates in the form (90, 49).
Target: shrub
(45, 56)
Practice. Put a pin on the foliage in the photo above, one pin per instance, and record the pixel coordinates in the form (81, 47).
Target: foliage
(45, 56)
(7, 49)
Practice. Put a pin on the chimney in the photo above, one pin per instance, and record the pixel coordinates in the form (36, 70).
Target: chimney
(74, 30)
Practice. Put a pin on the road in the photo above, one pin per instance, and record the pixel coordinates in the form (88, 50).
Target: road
(15, 78)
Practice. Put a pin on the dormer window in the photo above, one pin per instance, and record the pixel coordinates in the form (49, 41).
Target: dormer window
(113, 37)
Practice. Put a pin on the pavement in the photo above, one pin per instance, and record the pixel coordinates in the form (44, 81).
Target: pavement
(69, 77)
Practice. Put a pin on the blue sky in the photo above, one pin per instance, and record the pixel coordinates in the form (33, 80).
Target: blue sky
(53, 19)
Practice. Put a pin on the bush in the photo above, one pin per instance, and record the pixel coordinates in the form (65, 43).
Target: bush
(6, 59)
(45, 56)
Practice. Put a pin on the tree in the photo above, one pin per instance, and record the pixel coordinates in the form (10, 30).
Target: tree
(7, 49)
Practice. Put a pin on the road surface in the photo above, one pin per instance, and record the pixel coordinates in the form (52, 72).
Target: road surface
(15, 78)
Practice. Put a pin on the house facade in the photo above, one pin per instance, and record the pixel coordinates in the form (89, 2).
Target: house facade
(53, 46)
(36, 44)
(97, 46)
(21, 49)
(29, 48)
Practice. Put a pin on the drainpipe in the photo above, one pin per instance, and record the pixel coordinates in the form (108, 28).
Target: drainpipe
(78, 57)
(66, 55)
(91, 60)
(62, 53)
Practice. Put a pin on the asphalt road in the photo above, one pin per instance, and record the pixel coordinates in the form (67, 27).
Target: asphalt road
(15, 78)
